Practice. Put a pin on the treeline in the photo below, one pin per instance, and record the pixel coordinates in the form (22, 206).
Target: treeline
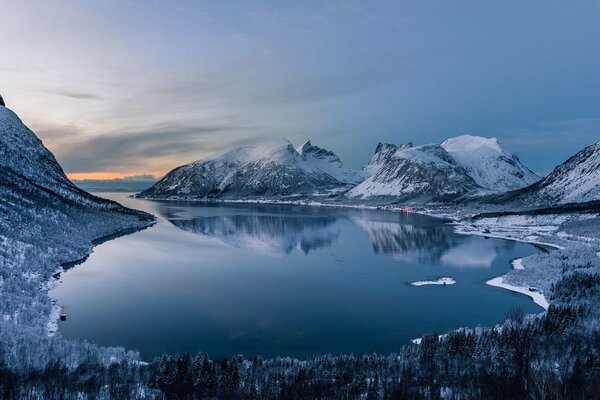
(553, 356)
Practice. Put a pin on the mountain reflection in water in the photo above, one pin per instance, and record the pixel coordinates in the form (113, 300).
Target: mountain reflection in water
(276, 280)
(273, 230)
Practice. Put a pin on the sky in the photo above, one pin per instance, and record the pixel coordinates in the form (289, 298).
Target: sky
(123, 87)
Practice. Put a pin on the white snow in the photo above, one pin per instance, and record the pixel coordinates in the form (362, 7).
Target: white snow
(254, 169)
(517, 263)
(537, 297)
(440, 281)
(319, 159)
(577, 180)
(411, 171)
(491, 166)
(464, 164)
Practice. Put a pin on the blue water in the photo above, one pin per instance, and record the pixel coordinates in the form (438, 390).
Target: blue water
(283, 280)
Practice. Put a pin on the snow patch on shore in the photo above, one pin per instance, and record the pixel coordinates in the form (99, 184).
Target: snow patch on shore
(537, 297)
(441, 281)
(52, 325)
(517, 263)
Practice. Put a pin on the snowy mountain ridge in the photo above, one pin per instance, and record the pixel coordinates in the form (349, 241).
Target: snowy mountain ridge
(22, 153)
(272, 168)
(460, 166)
(421, 173)
(488, 164)
(577, 180)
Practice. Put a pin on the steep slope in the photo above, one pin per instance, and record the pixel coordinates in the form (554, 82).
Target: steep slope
(577, 180)
(382, 152)
(45, 221)
(329, 163)
(23, 156)
(272, 169)
(488, 164)
(423, 173)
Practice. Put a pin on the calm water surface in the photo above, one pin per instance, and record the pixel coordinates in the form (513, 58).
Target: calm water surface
(282, 280)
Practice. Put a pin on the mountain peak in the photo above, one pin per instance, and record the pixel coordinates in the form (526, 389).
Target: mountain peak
(273, 168)
(2, 101)
(385, 147)
(466, 143)
(490, 165)
(305, 147)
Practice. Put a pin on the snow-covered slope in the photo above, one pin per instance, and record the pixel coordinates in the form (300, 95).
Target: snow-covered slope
(488, 164)
(44, 221)
(464, 165)
(424, 173)
(268, 169)
(383, 151)
(329, 163)
(577, 180)
(23, 156)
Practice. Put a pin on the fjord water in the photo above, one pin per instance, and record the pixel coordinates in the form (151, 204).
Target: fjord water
(275, 280)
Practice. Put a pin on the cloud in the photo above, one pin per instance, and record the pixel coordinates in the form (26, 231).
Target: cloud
(139, 148)
(75, 95)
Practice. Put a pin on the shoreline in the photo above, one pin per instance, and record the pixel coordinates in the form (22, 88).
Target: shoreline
(537, 297)
(455, 221)
(52, 327)
(516, 264)
(459, 225)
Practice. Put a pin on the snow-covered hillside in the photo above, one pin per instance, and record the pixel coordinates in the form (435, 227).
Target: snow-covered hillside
(329, 163)
(488, 164)
(271, 169)
(44, 221)
(424, 173)
(577, 180)
(383, 152)
(459, 166)
(24, 157)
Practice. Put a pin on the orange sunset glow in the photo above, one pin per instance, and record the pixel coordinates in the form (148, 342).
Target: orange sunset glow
(101, 175)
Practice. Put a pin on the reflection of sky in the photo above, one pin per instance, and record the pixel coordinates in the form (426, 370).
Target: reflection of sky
(472, 253)
(280, 233)
(165, 289)
(136, 86)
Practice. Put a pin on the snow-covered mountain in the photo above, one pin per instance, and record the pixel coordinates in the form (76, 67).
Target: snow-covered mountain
(426, 173)
(488, 164)
(577, 180)
(328, 162)
(45, 221)
(25, 161)
(383, 151)
(271, 169)
(464, 165)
